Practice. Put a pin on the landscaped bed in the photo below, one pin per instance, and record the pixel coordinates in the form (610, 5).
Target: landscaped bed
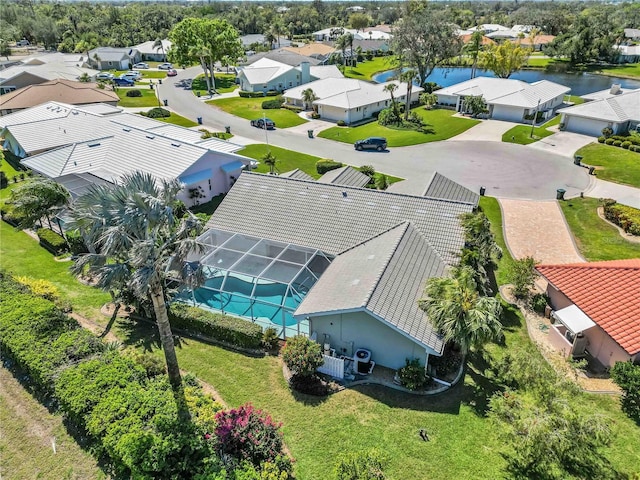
(440, 125)
(251, 109)
(612, 163)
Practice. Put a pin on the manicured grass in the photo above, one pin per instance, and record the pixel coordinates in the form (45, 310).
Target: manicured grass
(153, 73)
(286, 160)
(614, 164)
(575, 99)
(178, 120)
(11, 168)
(491, 209)
(148, 98)
(367, 69)
(440, 125)
(629, 70)
(521, 133)
(251, 109)
(28, 429)
(225, 83)
(536, 62)
(209, 207)
(595, 238)
(21, 255)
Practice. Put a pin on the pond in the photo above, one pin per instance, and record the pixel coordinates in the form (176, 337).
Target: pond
(580, 83)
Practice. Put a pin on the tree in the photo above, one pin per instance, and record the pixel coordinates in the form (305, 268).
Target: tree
(428, 99)
(359, 21)
(270, 160)
(38, 198)
(475, 105)
(456, 310)
(302, 356)
(504, 59)
(308, 97)
(84, 78)
(390, 88)
(5, 50)
(481, 252)
(423, 41)
(408, 76)
(342, 43)
(269, 38)
(521, 273)
(141, 243)
(158, 45)
(627, 377)
(473, 49)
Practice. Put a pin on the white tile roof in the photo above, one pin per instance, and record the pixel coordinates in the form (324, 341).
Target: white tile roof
(321, 72)
(40, 112)
(47, 71)
(616, 109)
(146, 48)
(607, 93)
(299, 174)
(264, 70)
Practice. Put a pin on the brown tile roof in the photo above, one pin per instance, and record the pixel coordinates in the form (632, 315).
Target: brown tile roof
(59, 90)
(312, 49)
(485, 40)
(608, 292)
(539, 40)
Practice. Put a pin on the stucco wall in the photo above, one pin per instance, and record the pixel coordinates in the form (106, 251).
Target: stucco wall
(507, 113)
(220, 181)
(289, 79)
(350, 331)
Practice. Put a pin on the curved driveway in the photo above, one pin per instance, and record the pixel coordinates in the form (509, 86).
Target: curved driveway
(506, 170)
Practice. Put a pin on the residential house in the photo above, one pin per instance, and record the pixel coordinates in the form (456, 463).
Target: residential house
(506, 99)
(111, 58)
(268, 75)
(628, 53)
(632, 34)
(537, 43)
(504, 35)
(349, 99)
(621, 113)
(615, 90)
(331, 33)
(319, 51)
(23, 75)
(383, 27)
(258, 38)
(65, 91)
(150, 53)
(487, 28)
(596, 309)
(466, 38)
(345, 176)
(282, 55)
(342, 264)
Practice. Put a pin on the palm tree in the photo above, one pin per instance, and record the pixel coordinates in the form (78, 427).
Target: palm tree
(140, 243)
(459, 313)
(473, 50)
(158, 45)
(270, 160)
(408, 76)
(391, 88)
(341, 44)
(308, 96)
(38, 198)
(270, 38)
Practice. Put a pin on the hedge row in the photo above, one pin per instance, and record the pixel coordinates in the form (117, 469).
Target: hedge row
(628, 218)
(129, 415)
(628, 143)
(245, 94)
(324, 166)
(273, 104)
(232, 330)
(52, 241)
(293, 108)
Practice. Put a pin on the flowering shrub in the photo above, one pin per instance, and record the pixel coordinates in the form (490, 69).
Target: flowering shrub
(302, 355)
(248, 434)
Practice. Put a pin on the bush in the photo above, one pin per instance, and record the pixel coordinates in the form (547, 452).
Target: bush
(52, 241)
(272, 93)
(245, 94)
(341, 123)
(627, 377)
(448, 363)
(601, 139)
(315, 115)
(324, 166)
(40, 288)
(617, 143)
(521, 273)
(76, 242)
(538, 302)
(270, 338)
(609, 141)
(293, 108)
(158, 112)
(232, 330)
(360, 466)
(607, 132)
(309, 385)
(368, 170)
(134, 93)
(274, 104)
(627, 218)
(302, 356)
(381, 181)
(412, 375)
(626, 144)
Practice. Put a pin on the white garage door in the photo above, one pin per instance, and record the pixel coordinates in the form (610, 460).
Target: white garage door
(586, 126)
(507, 114)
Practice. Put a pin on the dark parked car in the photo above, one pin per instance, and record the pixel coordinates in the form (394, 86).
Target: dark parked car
(263, 123)
(371, 143)
(123, 82)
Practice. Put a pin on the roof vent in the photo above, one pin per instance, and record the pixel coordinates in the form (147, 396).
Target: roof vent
(94, 144)
(126, 129)
(344, 194)
(175, 144)
(616, 89)
(150, 137)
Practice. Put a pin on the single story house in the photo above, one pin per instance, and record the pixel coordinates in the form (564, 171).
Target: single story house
(65, 91)
(341, 264)
(331, 33)
(23, 75)
(316, 50)
(265, 75)
(596, 309)
(466, 38)
(538, 43)
(488, 28)
(620, 113)
(632, 34)
(615, 90)
(150, 53)
(111, 58)
(69, 59)
(628, 53)
(349, 99)
(383, 27)
(506, 99)
(504, 35)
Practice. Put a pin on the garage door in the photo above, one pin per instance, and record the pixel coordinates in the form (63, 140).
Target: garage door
(586, 126)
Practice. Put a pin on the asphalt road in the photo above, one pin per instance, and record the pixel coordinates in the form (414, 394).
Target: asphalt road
(506, 170)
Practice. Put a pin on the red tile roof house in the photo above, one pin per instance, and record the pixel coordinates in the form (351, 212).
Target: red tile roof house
(597, 309)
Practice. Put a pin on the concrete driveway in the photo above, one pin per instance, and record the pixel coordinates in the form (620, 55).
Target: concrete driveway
(506, 170)
(486, 130)
(620, 193)
(562, 143)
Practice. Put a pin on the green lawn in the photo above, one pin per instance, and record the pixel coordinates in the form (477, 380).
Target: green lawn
(536, 62)
(178, 120)
(521, 133)
(11, 168)
(629, 70)
(491, 209)
(367, 69)
(287, 160)
(575, 99)
(614, 164)
(148, 98)
(153, 73)
(225, 83)
(251, 109)
(595, 238)
(440, 125)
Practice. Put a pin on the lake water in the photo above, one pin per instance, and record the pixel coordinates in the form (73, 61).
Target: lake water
(580, 83)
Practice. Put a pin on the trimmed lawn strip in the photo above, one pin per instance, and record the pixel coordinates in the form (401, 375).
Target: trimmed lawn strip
(251, 109)
(576, 99)
(178, 120)
(595, 238)
(521, 133)
(225, 83)
(367, 69)
(27, 431)
(441, 125)
(491, 208)
(629, 70)
(614, 164)
(148, 98)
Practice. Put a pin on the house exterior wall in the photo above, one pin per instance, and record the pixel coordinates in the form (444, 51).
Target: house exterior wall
(586, 126)
(447, 100)
(289, 79)
(507, 113)
(350, 331)
(154, 57)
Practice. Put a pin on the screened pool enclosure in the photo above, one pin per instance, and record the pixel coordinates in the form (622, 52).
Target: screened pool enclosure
(256, 278)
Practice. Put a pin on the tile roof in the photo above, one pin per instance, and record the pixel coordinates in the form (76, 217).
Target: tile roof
(334, 218)
(65, 91)
(620, 108)
(345, 176)
(299, 174)
(385, 276)
(312, 49)
(46, 71)
(147, 48)
(283, 56)
(112, 54)
(442, 187)
(608, 292)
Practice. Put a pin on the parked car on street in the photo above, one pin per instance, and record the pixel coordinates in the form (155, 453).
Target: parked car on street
(131, 75)
(165, 66)
(263, 123)
(123, 82)
(105, 76)
(371, 143)
(141, 66)
(172, 73)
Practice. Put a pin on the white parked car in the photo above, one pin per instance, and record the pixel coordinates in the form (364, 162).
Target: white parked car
(131, 75)
(165, 66)
(105, 76)
(141, 65)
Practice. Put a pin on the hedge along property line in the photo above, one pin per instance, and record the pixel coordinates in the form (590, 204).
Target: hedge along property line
(324, 166)
(128, 412)
(627, 218)
(52, 241)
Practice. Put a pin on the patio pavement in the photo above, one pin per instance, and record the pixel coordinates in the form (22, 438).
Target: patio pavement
(486, 130)
(562, 143)
(538, 229)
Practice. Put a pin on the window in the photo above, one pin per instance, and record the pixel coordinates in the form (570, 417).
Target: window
(291, 84)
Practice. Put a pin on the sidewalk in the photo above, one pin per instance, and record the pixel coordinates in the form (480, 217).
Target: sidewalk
(620, 193)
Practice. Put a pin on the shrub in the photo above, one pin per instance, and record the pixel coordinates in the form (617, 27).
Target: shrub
(627, 377)
(293, 108)
(248, 434)
(521, 274)
(381, 181)
(323, 166)
(272, 93)
(538, 302)
(609, 141)
(448, 363)
(607, 132)
(315, 115)
(134, 93)
(341, 123)
(52, 241)
(627, 218)
(412, 375)
(40, 288)
(360, 466)
(270, 338)
(302, 356)
(245, 94)
(232, 330)
(274, 104)
(617, 143)
(4, 181)
(601, 139)
(626, 144)
(368, 170)
(76, 242)
(158, 112)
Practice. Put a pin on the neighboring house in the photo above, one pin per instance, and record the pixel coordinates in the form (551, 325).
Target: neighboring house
(538, 43)
(372, 35)
(19, 76)
(488, 28)
(258, 38)
(342, 264)
(111, 58)
(150, 53)
(628, 53)
(315, 50)
(265, 75)
(504, 35)
(620, 113)
(349, 99)
(615, 90)
(331, 33)
(466, 38)
(345, 176)
(632, 34)
(68, 59)
(506, 99)
(65, 91)
(282, 55)
(597, 309)
(383, 27)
